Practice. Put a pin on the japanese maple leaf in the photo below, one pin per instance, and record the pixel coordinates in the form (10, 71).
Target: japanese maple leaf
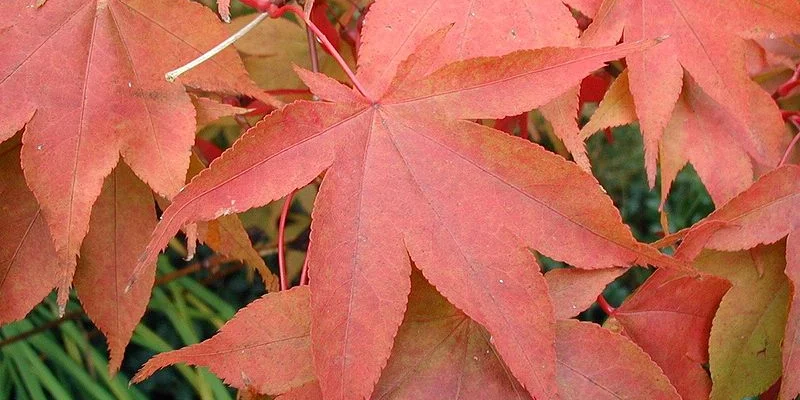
(122, 220)
(697, 128)
(479, 28)
(28, 267)
(670, 317)
(439, 352)
(708, 43)
(407, 175)
(86, 80)
(765, 213)
(246, 353)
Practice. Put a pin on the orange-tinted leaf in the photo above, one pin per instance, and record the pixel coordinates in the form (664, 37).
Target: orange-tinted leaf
(209, 110)
(763, 214)
(616, 108)
(562, 114)
(100, 92)
(573, 290)
(711, 50)
(122, 219)
(441, 353)
(404, 177)
(28, 263)
(393, 31)
(265, 346)
(699, 128)
(669, 317)
(309, 391)
(595, 363)
(226, 235)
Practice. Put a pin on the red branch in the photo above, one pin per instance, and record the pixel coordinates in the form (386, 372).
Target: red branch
(605, 306)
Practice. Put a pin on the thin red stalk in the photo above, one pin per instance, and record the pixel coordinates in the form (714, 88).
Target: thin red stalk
(282, 240)
(796, 122)
(312, 52)
(276, 12)
(605, 306)
(609, 135)
(789, 85)
(786, 114)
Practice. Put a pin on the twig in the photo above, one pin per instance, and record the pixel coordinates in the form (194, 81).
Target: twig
(161, 280)
(174, 74)
(605, 306)
(41, 328)
(312, 51)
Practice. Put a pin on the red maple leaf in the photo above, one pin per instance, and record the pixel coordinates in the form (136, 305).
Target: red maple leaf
(763, 214)
(407, 175)
(669, 317)
(438, 352)
(708, 43)
(86, 79)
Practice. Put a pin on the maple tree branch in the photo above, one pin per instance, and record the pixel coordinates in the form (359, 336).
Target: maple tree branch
(41, 328)
(196, 266)
(282, 239)
(605, 306)
(171, 76)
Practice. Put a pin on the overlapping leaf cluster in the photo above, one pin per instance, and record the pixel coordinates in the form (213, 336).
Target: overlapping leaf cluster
(422, 279)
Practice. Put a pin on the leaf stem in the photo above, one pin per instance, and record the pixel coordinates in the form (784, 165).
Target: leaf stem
(276, 12)
(282, 240)
(790, 84)
(605, 306)
(171, 76)
(312, 50)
